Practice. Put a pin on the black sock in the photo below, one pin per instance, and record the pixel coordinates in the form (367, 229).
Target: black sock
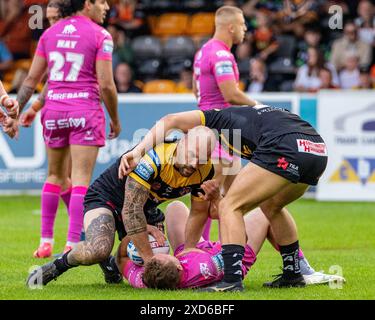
(232, 256)
(289, 253)
(62, 263)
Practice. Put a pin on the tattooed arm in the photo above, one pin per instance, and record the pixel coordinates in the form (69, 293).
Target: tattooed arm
(34, 76)
(134, 218)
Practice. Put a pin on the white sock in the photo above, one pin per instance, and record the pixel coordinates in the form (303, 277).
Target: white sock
(49, 240)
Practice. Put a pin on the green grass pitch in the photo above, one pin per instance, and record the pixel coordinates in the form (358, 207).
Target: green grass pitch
(331, 234)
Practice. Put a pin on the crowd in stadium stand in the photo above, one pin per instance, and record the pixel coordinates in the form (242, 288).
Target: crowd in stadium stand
(289, 45)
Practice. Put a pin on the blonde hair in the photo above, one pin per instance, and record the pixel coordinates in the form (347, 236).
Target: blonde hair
(225, 14)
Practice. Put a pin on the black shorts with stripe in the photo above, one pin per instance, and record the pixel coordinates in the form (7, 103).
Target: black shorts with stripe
(106, 192)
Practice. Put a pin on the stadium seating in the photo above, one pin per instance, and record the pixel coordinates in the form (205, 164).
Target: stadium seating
(159, 86)
(147, 47)
(283, 63)
(148, 68)
(179, 47)
(171, 24)
(201, 24)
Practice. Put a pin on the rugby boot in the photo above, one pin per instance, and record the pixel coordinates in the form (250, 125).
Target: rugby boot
(281, 281)
(223, 286)
(111, 273)
(44, 250)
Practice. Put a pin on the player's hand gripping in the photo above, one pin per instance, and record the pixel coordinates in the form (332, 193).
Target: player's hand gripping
(157, 234)
(128, 163)
(10, 127)
(11, 106)
(211, 190)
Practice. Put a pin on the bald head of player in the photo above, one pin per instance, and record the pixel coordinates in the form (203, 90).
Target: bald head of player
(230, 25)
(194, 149)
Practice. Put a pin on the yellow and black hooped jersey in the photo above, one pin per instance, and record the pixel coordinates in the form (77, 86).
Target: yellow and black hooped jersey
(156, 172)
(241, 129)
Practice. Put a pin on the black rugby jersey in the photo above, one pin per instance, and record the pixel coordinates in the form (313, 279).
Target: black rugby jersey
(156, 172)
(242, 129)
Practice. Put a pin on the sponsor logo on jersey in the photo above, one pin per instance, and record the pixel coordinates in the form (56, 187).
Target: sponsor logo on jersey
(223, 53)
(69, 29)
(67, 95)
(224, 67)
(108, 46)
(106, 33)
(144, 170)
(205, 271)
(306, 146)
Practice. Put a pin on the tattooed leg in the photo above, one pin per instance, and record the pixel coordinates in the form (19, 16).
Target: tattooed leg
(100, 235)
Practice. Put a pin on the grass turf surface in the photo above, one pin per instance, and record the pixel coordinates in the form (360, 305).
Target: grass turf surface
(331, 234)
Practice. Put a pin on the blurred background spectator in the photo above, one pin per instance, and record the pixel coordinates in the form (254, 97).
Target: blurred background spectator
(128, 15)
(325, 77)
(288, 46)
(308, 75)
(258, 77)
(6, 59)
(15, 30)
(350, 74)
(350, 42)
(185, 83)
(122, 51)
(124, 79)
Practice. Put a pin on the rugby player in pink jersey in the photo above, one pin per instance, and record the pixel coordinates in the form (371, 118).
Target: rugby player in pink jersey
(215, 83)
(78, 55)
(202, 265)
(186, 268)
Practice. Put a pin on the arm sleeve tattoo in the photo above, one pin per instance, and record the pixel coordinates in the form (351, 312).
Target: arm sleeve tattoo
(24, 95)
(133, 216)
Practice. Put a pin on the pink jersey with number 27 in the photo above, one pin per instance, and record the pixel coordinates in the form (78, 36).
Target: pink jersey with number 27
(213, 64)
(71, 47)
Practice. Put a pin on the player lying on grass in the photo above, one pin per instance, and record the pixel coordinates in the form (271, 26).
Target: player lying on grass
(202, 265)
(168, 171)
(161, 175)
(286, 156)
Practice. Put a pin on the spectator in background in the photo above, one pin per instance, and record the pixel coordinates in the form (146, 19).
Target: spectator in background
(350, 74)
(122, 51)
(365, 81)
(124, 79)
(308, 75)
(372, 76)
(325, 77)
(14, 29)
(350, 43)
(264, 41)
(257, 76)
(366, 22)
(312, 38)
(127, 15)
(6, 59)
(185, 83)
(295, 15)
(243, 55)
